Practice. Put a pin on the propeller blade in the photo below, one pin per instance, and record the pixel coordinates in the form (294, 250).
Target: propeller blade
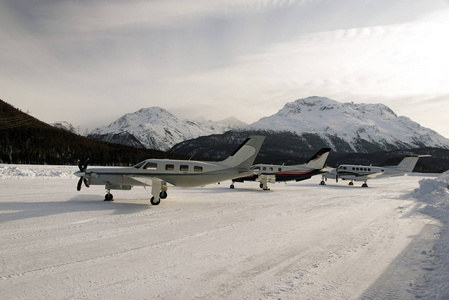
(80, 182)
(86, 182)
(83, 167)
(86, 163)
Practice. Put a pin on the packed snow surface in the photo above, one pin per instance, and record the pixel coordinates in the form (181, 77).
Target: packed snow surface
(297, 241)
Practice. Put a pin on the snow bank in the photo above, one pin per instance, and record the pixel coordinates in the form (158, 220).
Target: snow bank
(435, 194)
(36, 171)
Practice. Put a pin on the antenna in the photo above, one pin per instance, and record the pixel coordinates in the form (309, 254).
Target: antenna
(192, 155)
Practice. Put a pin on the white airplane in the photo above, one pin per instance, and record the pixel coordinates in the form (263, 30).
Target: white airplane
(158, 173)
(279, 173)
(363, 173)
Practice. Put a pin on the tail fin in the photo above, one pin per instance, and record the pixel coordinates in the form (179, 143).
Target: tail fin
(409, 162)
(319, 159)
(245, 155)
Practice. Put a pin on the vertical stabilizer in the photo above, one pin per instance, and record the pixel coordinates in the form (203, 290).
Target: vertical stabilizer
(409, 162)
(318, 160)
(245, 155)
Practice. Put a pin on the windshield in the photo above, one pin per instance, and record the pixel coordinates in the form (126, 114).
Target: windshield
(139, 165)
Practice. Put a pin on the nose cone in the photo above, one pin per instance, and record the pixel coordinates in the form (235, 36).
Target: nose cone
(79, 174)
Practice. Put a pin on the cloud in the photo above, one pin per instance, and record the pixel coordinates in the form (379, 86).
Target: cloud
(244, 58)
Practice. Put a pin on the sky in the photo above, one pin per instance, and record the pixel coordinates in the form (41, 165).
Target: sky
(89, 62)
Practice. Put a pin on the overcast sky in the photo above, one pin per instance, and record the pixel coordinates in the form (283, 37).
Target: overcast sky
(89, 62)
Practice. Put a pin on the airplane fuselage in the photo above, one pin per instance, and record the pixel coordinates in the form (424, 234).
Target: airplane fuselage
(179, 173)
(281, 173)
(363, 173)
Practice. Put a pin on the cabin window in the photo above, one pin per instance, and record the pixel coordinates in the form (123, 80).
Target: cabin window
(183, 168)
(369, 169)
(353, 168)
(280, 169)
(198, 169)
(264, 168)
(150, 166)
(170, 167)
(271, 168)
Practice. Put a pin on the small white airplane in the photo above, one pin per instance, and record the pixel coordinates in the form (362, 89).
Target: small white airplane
(158, 173)
(279, 173)
(363, 173)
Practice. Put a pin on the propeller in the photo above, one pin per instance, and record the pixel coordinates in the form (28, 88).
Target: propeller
(336, 175)
(83, 168)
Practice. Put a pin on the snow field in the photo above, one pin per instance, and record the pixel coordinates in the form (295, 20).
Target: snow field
(297, 241)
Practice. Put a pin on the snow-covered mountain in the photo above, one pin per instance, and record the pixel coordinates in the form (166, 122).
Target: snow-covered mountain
(64, 125)
(156, 128)
(350, 127)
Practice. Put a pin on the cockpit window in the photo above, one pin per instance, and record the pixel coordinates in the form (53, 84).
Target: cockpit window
(140, 164)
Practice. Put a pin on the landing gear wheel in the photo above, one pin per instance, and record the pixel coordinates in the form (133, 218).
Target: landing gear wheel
(232, 186)
(322, 182)
(155, 202)
(364, 185)
(108, 197)
(163, 195)
(351, 183)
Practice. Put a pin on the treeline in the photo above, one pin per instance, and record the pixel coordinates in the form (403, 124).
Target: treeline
(26, 140)
(290, 149)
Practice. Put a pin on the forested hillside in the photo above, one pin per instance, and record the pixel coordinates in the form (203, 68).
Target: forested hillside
(26, 140)
(289, 148)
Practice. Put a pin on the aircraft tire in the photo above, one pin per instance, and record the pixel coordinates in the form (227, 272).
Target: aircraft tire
(154, 202)
(163, 195)
(108, 197)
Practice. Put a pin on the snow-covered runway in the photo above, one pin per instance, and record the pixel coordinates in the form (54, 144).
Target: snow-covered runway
(297, 241)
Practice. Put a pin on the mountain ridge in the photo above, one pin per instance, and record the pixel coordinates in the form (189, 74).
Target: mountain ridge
(156, 128)
(350, 127)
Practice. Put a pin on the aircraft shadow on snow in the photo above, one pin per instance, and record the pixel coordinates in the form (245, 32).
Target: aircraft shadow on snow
(13, 211)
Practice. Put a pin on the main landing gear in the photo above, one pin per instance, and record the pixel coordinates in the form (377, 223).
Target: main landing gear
(157, 200)
(264, 186)
(159, 191)
(108, 196)
(323, 180)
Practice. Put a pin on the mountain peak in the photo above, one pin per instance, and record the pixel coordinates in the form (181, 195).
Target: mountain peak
(360, 127)
(156, 128)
